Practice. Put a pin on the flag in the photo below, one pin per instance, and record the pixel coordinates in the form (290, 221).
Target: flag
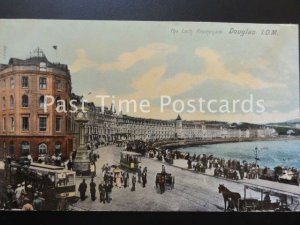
(55, 47)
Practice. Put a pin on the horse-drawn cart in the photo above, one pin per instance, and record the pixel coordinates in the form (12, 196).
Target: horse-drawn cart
(164, 181)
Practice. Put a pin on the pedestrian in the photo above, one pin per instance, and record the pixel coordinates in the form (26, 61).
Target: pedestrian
(125, 178)
(111, 179)
(69, 164)
(118, 178)
(82, 189)
(10, 197)
(163, 169)
(108, 189)
(93, 170)
(133, 180)
(93, 190)
(101, 189)
(144, 179)
(139, 171)
(18, 191)
(37, 203)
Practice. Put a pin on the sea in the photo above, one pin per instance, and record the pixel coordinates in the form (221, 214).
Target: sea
(270, 153)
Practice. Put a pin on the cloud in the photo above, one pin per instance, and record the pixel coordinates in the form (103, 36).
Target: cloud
(152, 84)
(216, 70)
(128, 59)
(82, 62)
(124, 61)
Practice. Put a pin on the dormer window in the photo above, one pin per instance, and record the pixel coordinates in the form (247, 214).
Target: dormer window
(43, 66)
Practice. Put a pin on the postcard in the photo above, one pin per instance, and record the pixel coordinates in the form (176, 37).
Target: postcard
(149, 116)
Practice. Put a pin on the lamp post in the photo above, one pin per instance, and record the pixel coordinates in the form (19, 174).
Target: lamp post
(256, 159)
(81, 162)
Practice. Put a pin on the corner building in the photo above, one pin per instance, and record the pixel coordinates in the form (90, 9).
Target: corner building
(24, 126)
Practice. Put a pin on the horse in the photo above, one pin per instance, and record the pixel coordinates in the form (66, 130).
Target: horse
(235, 196)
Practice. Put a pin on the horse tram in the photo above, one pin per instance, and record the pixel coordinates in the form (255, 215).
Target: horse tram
(266, 199)
(130, 160)
(56, 184)
(164, 181)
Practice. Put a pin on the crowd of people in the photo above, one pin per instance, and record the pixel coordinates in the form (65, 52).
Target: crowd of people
(112, 177)
(20, 199)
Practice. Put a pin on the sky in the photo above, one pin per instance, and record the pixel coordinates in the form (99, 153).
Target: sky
(138, 60)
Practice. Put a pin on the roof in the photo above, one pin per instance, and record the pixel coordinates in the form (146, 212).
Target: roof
(131, 153)
(35, 61)
(178, 117)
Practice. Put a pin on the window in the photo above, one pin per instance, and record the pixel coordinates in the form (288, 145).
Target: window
(12, 83)
(43, 66)
(25, 123)
(24, 82)
(12, 123)
(3, 83)
(58, 124)
(24, 101)
(42, 101)
(43, 148)
(43, 82)
(58, 85)
(57, 101)
(11, 148)
(4, 124)
(12, 101)
(43, 123)
(3, 103)
(57, 148)
(25, 147)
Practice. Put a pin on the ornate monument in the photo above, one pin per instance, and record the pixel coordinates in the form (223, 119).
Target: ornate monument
(81, 163)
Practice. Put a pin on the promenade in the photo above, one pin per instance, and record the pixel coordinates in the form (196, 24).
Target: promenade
(192, 192)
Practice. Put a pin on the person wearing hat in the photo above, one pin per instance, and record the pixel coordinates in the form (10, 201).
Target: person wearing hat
(125, 178)
(101, 189)
(30, 191)
(82, 189)
(133, 180)
(23, 185)
(139, 171)
(37, 202)
(93, 190)
(9, 193)
(108, 190)
(18, 191)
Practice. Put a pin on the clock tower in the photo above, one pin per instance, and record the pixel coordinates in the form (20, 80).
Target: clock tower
(81, 163)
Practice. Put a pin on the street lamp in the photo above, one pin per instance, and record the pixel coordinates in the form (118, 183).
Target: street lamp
(81, 162)
(256, 159)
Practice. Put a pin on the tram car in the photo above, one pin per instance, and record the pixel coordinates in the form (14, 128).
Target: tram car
(130, 160)
(164, 181)
(56, 183)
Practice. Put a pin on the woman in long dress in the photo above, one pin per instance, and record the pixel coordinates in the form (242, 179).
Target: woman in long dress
(118, 178)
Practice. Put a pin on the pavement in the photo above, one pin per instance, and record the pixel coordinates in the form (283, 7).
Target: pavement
(192, 191)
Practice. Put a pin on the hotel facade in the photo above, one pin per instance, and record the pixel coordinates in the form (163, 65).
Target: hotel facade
(25, 128)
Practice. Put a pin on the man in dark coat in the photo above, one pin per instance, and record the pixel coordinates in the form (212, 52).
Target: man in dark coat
(82, 189)
(139, 171)
(108, 189)
(133, 180)
(93, 190)
(125, 178)
(101, 189)
(144, 179)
